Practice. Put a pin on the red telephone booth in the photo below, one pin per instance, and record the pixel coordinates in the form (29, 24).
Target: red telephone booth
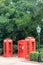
(31, 44)
(22, 49)
(25, 47)
(7, 47)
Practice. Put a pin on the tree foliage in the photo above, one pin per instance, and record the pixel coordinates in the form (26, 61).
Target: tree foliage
(19, 18)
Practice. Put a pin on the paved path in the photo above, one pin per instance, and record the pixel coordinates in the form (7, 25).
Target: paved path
(16, 61)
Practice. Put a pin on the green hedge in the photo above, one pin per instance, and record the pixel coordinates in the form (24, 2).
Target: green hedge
(15, 49)
(41, 49)
(34, 56)
(42, 56)
(0, 51)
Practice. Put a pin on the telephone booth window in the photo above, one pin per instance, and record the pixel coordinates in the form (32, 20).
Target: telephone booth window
(20, 48)
(32, 46)
(9, 47)
(27, 47)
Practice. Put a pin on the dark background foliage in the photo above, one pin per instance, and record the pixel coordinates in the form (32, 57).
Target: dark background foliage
(19, 19)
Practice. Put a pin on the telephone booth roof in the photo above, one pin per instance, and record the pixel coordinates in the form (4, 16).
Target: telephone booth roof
(30, 38)
(21, 41)
(8, 39)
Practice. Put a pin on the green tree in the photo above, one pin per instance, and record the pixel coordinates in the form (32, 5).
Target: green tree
(19, 18)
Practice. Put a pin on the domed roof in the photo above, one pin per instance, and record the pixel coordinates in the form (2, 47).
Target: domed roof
(8, 39)
(30, 38)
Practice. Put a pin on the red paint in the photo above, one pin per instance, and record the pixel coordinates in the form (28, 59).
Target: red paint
(7, 47)
(26, 46)
(22, 49)
(31, 44)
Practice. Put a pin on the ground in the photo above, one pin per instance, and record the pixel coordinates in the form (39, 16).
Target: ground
(16, 61)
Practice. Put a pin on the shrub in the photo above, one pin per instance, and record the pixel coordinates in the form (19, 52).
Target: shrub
(14, 48)
(34, 56)
(41, 49)
(0, 51)
(41, 55)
